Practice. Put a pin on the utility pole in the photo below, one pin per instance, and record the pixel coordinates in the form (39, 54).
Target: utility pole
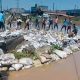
(0, 5)
(75, 7)
(17, 4)
(53, 6)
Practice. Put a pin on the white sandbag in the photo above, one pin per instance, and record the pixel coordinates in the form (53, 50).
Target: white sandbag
(0, 64)
(7, 56)
(50, 38)
(43, 59)
(15, 61)
(11, 69)
(47, 56)
(1, 52)
(74, 47)
(37, 63)
(17, 66)
(77, 37)
(61, 54)
(5, 33)
(22, 47)
(3, 69)
(26, 61)
(35, 44)
(68, 51)
(7, 62)
(19, 50)
(55, 57)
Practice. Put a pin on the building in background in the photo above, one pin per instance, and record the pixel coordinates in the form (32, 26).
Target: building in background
(74, 12)
(43, 8)
(36, 7)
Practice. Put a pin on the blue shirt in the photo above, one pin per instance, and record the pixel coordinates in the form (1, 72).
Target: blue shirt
(65, 23)
(1, 17)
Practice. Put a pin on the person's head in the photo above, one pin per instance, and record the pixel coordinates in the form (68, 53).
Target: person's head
(56, 17)
(74, 25)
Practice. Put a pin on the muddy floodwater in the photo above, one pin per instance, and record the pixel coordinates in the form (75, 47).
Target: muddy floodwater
(66, 69)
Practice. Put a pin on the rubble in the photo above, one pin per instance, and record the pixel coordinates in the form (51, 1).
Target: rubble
(39, 42)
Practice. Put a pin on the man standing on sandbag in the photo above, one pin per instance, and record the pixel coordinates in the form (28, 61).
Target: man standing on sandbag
(37, 23)
(2, 21)
(19, 22)
(27, 24)
(56, 23)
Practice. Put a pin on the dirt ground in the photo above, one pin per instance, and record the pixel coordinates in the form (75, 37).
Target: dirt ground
(66, 69)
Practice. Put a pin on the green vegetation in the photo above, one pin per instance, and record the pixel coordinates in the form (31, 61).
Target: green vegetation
(76, 19)
(24, 54)
(55, 46)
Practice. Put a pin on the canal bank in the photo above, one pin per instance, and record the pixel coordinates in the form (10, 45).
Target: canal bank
(66, 69)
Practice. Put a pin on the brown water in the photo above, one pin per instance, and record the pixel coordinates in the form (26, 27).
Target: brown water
(62, 70)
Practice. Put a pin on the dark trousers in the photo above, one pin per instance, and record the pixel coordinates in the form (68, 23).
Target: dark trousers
(69, 29)
(37, 26)
(63, 27)
(43, 26)
(56, 26)
(51, 26)
(2, 26)
(27, 26)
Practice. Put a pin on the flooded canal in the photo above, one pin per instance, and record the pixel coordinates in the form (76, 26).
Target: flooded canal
(66, 69)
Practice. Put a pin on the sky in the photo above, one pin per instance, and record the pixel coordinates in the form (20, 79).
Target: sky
(58, 4)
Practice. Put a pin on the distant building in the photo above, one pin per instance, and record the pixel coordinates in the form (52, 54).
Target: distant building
(34, 8)
(74, 12)
(17, 10)
(44, 8)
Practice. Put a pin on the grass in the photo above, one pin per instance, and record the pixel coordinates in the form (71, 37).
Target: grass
(25, 54)
(55, 46)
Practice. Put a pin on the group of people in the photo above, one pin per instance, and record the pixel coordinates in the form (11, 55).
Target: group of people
(69, 26)
(54, 23)
(44, 23)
